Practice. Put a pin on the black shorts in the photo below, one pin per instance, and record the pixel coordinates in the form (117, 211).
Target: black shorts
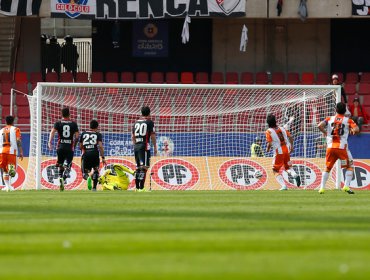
(142, 157)
(89, 161)
(64, 156)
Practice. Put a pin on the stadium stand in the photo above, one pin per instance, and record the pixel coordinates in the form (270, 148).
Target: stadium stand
(6, 77)
(322, 78)
(82, 77)
(232, 78)
(66, 77)
(22, 87)
(308, 78)
(51, 77)
(351, 78)
(97, 77)
(364, 89)
(246, 78)
(6, 87)
(111, 77)
(365, 78)
(262, 78)
(35, 77)
(187, 78)
(5, 111)
(157, 77)
(217, 78)
(350, 89)
(21, 100)
(201, 78)
(172, 77)
(278, 78)
(293, 78)
(21, 77)
(5, 99)
(127, 77)
(142, 77)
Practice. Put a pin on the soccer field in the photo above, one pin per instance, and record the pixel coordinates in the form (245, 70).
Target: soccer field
(184, 235)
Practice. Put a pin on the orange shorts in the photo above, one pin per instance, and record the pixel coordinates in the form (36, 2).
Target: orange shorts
(6, 159)
(332, 155)
(280, 160)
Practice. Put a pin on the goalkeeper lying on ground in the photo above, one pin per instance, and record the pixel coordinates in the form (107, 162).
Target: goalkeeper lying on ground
(116, 177)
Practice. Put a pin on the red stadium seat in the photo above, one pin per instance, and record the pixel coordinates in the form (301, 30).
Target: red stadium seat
(5, 100)
(350, 98)
(21, 77)
(172, 78)
(66, 77)
(246, 78)
(6, 87)
(351, 78)
(23, 111)
(323, 78)
(308, 78)
(365, 77)
(350, 89)
(364, 89)
(111, 77)
(217, 78)
(142, 77)
(157, 77)
(5, 111)
(278, 78)
(232, 78)
(6, 77)
(97, 77)
(35, 77)
(21, 100)
(293, 78)
(366, 100)
(82, 77)
(127, 77)
(187, 78)
(22, 87)
(201, 78)
(51, 77)
(262, 78)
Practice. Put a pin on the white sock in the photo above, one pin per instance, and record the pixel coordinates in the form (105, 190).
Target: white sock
(280, 180)
(6, 180)
(324, 179)
(348, 177)
(292, 173)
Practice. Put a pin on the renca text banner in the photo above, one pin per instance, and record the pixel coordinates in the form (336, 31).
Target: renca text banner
(145, 9)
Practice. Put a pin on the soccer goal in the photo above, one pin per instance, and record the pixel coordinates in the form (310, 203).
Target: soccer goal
(204, 132)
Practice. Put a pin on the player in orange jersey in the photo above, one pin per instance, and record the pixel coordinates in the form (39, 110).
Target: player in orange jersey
(336, 130)
(280, 140)
(10, 146)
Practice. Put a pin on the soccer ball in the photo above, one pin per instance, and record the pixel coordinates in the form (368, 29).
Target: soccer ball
(257, 174)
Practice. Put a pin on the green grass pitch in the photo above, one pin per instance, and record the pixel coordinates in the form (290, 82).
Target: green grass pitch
(184, 235)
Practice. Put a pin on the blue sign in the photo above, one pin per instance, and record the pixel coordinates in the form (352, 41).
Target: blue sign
(205, 144)
(150, 39)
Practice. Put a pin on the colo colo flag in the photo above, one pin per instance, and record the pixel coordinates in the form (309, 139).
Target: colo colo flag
(20, 7)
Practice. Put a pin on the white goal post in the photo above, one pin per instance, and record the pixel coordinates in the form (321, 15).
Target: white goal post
(204, 132)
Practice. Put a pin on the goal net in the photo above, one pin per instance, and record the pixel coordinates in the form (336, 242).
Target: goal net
(204, 132)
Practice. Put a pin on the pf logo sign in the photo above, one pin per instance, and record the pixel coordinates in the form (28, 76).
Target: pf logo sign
(361, 176)
(310, 175)
(16, 181)
(239, 174)
(175, 174)
(50, 176)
